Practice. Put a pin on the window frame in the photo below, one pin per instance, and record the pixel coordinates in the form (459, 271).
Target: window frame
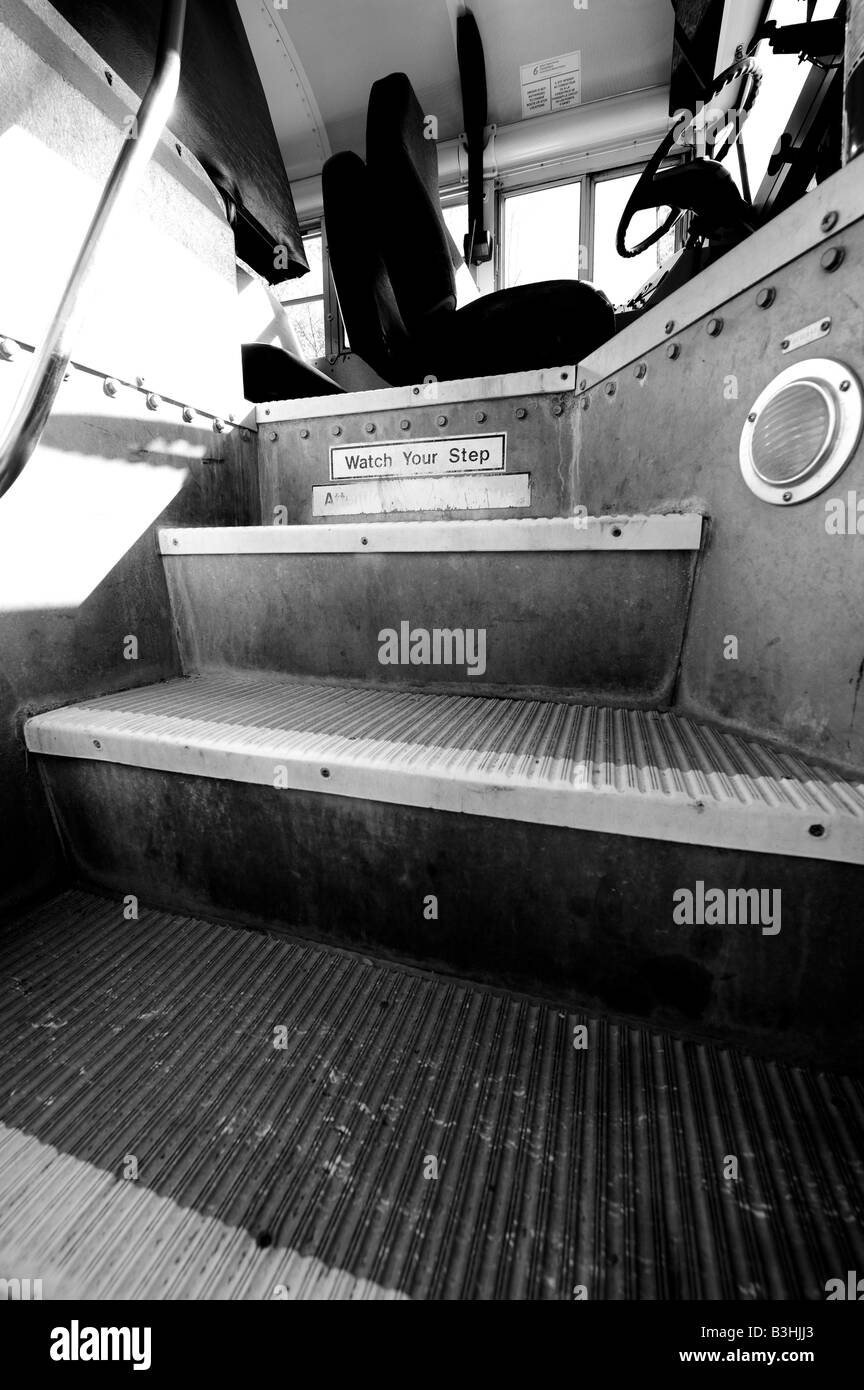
(327, 296)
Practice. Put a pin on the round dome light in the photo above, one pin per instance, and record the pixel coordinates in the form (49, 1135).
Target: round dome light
(801, 431)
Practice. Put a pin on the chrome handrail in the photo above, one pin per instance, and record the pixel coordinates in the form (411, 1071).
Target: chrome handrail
(39, 392)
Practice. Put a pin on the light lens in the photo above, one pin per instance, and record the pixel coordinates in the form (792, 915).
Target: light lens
(793, 433)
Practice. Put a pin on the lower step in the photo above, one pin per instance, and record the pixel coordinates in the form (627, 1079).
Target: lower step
(634, 859)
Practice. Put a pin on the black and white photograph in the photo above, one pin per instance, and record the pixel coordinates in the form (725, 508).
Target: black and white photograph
(431, 672)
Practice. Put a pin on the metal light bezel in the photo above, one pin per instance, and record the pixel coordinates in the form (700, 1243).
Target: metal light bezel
(846, 410)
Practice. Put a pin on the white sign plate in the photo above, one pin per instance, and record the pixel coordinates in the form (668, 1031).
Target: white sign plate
(818, 329)
(378, 496)
(552, 84)
(420, 458)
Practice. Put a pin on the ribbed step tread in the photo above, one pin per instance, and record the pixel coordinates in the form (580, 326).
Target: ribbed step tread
(644, 773)
(305, 1170)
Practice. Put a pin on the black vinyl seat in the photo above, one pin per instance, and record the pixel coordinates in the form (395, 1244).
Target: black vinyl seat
(272, 373)
(393, 263)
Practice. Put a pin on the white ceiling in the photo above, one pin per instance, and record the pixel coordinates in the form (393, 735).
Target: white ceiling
(319, 58)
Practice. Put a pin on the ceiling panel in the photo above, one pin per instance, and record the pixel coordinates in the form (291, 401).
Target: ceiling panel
(342, 46)
(346, 45)
(625, 45)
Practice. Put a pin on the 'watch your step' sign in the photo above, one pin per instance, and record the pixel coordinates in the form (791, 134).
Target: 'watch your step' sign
(420, 458)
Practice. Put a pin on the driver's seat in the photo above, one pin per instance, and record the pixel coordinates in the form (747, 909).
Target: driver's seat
(393, 264)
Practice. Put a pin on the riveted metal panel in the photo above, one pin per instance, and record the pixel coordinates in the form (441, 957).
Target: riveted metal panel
(540, 443)
(774, 638)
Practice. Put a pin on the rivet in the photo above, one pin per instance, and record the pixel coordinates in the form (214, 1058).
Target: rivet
(817, 830)
(558, 409)
(565, 376)
(219, 425)
(441, 421)
(752, 416)
(267, 411)
(96, 743)
(583, 383)
(521, 413)
(8, 349)
(787, 496)
(325, 772)
(714, 327)
(832, 258)
(670, 325)
(273, 436)
(370, 428)
(673, 350)
(844, 385)
(609, 388)
(188, 414)
(304, 434)
(404, 424)
(765, 298)
(174, 540)
(825, 325)
(584, 401)
(829, 221)
(616, 530)
(245, 435)
(640, 370)
(480, 417)
(110, 386)
(139, 380)
(336, 430)
(784, 344)
(153, 401)
(364, 540)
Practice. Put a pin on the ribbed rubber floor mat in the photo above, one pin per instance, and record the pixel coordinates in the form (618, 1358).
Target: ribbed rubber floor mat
(190, 1110)
(631, 772)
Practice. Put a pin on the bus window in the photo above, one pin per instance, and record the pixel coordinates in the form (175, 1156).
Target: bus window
(783, 79)
(613, 274)
(456, 217)
(541, 235)
(303, 301)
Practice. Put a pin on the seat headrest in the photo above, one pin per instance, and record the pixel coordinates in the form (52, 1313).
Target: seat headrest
(403, 171)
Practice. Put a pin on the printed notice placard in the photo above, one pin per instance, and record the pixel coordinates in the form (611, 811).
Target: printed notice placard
(420, 458)
(552, 84)
(379, 496)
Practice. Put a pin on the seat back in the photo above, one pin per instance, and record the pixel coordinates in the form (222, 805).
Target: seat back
(375, 327)
(403, 179)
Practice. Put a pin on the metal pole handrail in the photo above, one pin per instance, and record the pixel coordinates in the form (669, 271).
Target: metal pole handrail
(37, 396)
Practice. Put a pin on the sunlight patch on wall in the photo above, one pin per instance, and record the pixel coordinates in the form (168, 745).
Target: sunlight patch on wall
(70, 518)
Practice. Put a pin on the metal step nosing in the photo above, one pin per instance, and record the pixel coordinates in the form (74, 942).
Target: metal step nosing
(666, 531)
(666, 816)
(540, 382)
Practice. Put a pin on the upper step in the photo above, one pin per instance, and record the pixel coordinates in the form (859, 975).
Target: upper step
(483, 447)
(625, 772)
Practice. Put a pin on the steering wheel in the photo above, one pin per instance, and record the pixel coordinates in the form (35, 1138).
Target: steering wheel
(644, 194)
